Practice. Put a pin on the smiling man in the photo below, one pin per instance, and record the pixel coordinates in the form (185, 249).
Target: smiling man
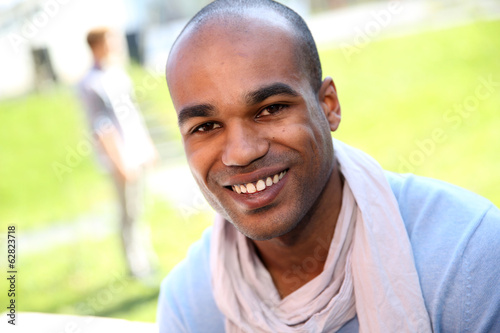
(311, 235)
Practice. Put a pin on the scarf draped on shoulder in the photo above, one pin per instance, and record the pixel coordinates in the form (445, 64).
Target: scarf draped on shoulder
(369, 271)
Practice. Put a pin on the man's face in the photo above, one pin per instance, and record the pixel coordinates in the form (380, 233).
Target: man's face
(256, 138)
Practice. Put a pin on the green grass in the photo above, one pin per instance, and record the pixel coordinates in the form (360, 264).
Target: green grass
(40, 132)
(394, 94)
(89, 277)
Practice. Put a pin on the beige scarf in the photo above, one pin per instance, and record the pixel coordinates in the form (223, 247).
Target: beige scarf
(369, 271)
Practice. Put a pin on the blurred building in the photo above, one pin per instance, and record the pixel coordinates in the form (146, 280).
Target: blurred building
(44, 40)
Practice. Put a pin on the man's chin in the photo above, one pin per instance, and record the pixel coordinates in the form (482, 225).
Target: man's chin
(264, 231)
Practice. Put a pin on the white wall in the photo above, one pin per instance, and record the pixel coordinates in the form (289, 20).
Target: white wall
(61, 25)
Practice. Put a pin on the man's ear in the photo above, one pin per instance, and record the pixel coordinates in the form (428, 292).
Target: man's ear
(330, 103)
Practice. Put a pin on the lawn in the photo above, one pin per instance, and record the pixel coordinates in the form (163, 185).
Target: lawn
(89, 276)
(417, 103)
(42, 132)
(420, 104)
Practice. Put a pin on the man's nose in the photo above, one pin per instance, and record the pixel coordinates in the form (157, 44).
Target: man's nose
(243, 145)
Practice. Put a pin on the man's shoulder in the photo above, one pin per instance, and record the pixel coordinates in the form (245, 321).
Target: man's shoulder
(422, 198)
(90, 78)
(455, 235)
(441, 218)
(186, 301)
(196, 261)
(410, 184)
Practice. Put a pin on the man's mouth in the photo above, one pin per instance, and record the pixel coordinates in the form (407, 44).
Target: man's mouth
(259, 185)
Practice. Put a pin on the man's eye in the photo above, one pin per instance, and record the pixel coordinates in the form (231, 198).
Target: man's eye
(271, 109)
(206, 127)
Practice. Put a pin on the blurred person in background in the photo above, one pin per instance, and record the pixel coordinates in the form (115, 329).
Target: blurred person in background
(123, 144)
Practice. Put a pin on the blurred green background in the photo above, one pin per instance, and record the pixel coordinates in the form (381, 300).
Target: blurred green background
(396, 94)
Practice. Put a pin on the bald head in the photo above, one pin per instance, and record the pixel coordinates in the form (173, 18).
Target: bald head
(245, 81)
(236, 15)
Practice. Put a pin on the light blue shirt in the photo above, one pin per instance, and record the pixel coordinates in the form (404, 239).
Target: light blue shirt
(455, 236)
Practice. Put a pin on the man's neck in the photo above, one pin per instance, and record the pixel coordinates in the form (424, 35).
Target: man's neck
(299, 256)
(101, 62)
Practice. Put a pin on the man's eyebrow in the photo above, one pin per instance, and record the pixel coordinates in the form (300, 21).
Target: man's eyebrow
(261, 94)
(200, 110)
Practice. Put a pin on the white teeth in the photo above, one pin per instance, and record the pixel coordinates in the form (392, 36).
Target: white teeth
(261, 185)
(251, 188)
(269, 181)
